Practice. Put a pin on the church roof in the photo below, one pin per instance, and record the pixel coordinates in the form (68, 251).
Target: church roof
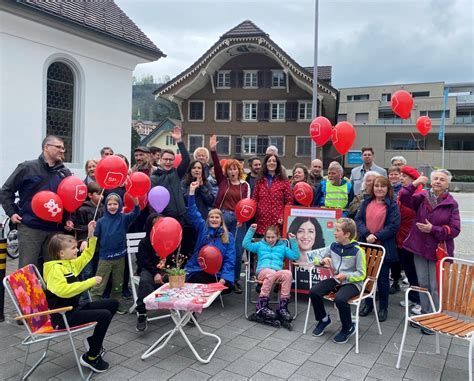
(104, 17)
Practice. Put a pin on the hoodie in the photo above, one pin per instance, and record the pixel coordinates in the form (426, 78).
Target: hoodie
(111, 230)
(83, 216)
(346, 259)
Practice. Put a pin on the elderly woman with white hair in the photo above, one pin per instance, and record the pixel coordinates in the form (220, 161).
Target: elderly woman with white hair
(365, 189)
(437, 221)
(398, 161)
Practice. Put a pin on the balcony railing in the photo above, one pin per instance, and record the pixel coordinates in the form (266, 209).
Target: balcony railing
(465, 99)
(394, 121)
(464, 120)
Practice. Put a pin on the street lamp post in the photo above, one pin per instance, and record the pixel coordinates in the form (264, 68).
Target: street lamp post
(314, 108)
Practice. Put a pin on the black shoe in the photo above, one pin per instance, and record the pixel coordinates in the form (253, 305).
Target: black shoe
(237, 288)
(382, 314)
(98, 365)
(394, 288)
(365, 310)
(426, 331)
(141, 323)
(85, 342)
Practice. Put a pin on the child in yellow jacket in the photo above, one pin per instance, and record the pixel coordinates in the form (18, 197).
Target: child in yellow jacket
(63, 288)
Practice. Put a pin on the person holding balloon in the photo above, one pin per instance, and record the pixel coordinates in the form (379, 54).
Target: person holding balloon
(111, 233)
(212, 234)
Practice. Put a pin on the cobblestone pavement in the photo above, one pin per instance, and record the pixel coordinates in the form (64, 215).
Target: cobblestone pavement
(251, 351)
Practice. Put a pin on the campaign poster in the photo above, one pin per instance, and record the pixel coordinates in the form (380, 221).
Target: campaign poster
(314, 229)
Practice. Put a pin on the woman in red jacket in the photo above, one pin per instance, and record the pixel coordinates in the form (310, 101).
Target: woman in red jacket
(272, 193)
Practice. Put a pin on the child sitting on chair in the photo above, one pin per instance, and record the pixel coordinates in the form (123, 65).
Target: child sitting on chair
(64, 289)
(271, 252)
(347, 259)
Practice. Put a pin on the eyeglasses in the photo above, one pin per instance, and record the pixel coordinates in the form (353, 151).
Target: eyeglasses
(168, 159)
(59, 147)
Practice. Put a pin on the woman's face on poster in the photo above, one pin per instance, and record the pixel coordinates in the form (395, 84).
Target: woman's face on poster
(306, 236)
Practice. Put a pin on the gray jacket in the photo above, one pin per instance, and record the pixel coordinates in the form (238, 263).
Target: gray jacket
(357, 175)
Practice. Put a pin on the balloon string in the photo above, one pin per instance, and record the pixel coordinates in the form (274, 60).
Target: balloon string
(422, 154)
(97, 207)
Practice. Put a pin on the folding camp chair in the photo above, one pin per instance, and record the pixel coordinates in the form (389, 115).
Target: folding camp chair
(26, 288)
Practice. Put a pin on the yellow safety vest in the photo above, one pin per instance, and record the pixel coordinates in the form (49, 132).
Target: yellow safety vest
(336, 196)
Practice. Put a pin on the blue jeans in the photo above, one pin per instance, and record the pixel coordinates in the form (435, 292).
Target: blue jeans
(239, 234)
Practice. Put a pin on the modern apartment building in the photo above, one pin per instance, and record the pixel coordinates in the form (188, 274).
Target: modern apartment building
(369, 110)
(252, 94)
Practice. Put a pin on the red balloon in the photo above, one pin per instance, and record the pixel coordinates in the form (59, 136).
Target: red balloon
(245, 210)
(73, 192)
(402, 103)
(177, 160)
(166, 236)
(320, 130)
(128, 204)
(343, 137)
(222, 162)
(210, 259)
(423, 124)
(303, 193)
(111, 172)
(137, 184)
(48, 206)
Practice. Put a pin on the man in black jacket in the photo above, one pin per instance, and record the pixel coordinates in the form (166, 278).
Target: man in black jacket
(29, 178)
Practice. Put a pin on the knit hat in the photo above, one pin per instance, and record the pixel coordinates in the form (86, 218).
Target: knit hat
(410, 171)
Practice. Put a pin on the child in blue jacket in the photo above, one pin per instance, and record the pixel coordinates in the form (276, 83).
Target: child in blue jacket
(211, 231)
(111, 232)
(271, 252)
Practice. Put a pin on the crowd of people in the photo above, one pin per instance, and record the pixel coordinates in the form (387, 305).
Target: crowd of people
(399, 209)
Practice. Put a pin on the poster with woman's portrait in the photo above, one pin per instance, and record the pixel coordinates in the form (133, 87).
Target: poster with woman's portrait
(314, 229)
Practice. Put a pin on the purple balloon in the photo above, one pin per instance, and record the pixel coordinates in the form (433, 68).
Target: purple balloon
(159, 198)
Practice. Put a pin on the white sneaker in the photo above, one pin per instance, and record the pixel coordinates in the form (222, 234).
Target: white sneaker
(416, 309)
(402, 303)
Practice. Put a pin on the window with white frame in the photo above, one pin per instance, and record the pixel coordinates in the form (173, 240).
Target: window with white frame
(278, 78)
(223, 148)
(250, 111)
(305, 110)
(222, 111)
(249, 145)
(223, 79)
(195, 141)
(250, 79)
(278, 111)
(196, 111)
(303, 146)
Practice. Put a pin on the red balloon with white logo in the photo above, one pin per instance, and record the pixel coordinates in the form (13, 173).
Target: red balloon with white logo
(48, 206)
(111, 172)
(245, 210)
(303, 193)
(166, 236)
(210, 259)
(423, 124)
(137, 184)
(343, 137)
(177, 160)
(402, 103)
(320, 130)
(73, 192)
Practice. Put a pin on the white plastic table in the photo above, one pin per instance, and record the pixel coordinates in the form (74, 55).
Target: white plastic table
(181, 313)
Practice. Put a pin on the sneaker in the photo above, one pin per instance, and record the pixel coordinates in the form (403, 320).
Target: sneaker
(237, 288)
(122, 310)
(402, 303)
(85, 342)
(97, 365)
(141, 322)
(343, 337)
(426, 331)
(416, 309)
(321, 327)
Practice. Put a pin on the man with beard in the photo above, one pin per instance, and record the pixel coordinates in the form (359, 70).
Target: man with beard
(143, 161)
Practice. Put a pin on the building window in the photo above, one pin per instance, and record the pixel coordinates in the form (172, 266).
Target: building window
(195, 141)
(278, 142)
(60, 105)
(406, 144)
(249, 145)
(361, 117)
(223, 148)
(222, 111)
(420, 94)
(278, 78)
(305, 110)
(250, 111)
(360, 97)
(250, 79)
(303, 146)
(196, 111)
(435, 114)
(170, 141)
(223, 79)
(278, 111)
(386, 97)
(341, 118)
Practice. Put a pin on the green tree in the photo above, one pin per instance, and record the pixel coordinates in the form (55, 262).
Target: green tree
(135, 143)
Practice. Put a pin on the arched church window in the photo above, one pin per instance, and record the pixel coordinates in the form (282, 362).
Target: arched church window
(60, 105)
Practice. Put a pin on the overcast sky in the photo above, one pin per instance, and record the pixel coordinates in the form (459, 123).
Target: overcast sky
(367, 42)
